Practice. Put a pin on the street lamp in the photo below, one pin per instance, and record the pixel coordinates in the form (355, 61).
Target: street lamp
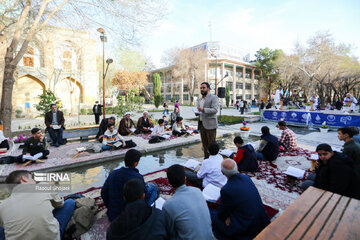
(103, 40)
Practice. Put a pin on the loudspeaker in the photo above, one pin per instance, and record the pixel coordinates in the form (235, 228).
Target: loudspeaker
(221, 92)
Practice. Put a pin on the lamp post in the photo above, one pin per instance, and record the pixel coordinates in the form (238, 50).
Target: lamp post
(103, 40)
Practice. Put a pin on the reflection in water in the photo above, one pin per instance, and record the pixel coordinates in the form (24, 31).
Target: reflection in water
(94, 175)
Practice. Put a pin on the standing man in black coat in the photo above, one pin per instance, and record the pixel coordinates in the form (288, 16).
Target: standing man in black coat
(54, 121)
(97, 110)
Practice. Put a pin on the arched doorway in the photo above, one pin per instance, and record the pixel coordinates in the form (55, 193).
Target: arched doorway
(70, 92)
(27, 89)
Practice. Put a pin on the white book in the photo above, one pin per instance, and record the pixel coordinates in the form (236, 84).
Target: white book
(166, 136)
(56, 127)
(295, 172)
(226, 152)
(196, 110)
(159, 203)
(133, 129)
(118, 144)
(189, 131)
(211, 193)
(314, 156)
(81, 149)
(191, 164)
(33, 158)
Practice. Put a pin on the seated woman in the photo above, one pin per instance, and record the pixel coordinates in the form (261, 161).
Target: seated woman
(334, 172)
(178, 129)
(112, 139)
(126, 125)
(245, 157)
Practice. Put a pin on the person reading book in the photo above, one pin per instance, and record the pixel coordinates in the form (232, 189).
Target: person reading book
(245, 157)
(241, 213)
(158, 133)
(54, 121)
(144, 124)
(268, 149)
(112, 139)
(36, 144)
(179, 129)
(126, 126)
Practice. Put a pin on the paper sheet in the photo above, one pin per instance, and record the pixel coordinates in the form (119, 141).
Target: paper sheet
(226, 152)
(166, 136)
(314, 156)
(118, 144)
(195, 110)
(211, 193)
(159, 203)
(56, 127)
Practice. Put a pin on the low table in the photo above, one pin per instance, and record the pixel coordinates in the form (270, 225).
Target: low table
(317, 214)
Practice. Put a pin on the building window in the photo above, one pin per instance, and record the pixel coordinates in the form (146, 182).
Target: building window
(248, 96)
(186, 97)
(186, 87)
(256, 86)
(177, 97)
(256, 77)
(212, 71)
(239, 85)
(168, 97)
(248, 86)
(28, 59)
(247, 75)
(168, 88)
(229, 85)
(238, 96)
(239, 74)
(67, 60)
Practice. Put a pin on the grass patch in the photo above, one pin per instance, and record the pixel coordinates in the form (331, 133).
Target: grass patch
(155, 110)
(226, 119)
(256, 113)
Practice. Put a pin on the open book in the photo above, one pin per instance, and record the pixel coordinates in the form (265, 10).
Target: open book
(32, 158)
(226, 152)
(314, 156)
(191, 164)
(211, 193)
(166, 136)
(159, 203)
(56, 127)
(295, 172)
(133, 129)
(118, 144)
(81, 149)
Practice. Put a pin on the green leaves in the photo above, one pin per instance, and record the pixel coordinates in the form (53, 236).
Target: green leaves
(46, 99)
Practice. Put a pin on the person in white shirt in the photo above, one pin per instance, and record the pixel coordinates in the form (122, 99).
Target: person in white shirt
(210, 170)
(350, 101)
(158, 133)
(277, 98)
(178, 129)
(315, 101)
(111, 138)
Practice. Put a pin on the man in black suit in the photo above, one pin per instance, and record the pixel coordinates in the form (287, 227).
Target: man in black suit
(54, 121)
(97, 111)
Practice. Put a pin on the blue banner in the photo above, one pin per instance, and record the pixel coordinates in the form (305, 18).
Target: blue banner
(316, 118)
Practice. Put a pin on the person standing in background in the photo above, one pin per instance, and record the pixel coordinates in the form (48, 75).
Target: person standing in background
(97, 111)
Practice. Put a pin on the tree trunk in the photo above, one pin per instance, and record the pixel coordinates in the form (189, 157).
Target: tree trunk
(6, 99)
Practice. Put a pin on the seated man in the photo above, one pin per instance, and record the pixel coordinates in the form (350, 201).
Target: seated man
(166, 123)
(143, 124)
(351, 148)
(158, 132)
(179, 129)
(3, 141)
(288, 137)
(54, 121)
(104, 126)
(138, 220)
(33, 215)
(112, 191)
(126, 125)
(356, 135)
(241, 213)
(245, 157)
(111, 138)
(210, 170)
(186, 213)
(269, 146)
(335, 172)
(35, 144)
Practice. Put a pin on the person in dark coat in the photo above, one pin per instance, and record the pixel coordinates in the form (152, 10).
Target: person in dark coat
(241, 213)
(54, 121)
(36, 144)
(97, 110)
(104, 126)
(144, 124)
(335, 173)
(269, 146)
(138, 220)
(126, 125)
(245, 157)
(351, 148)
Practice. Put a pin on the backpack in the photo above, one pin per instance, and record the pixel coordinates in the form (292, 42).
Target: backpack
(82, 219)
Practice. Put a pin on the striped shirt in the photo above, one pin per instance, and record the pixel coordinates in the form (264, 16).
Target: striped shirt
(113, 136)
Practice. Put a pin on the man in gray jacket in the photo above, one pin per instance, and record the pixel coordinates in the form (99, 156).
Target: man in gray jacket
(207, 106)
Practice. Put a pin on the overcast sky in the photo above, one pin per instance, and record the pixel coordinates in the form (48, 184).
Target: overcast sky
(252, 25)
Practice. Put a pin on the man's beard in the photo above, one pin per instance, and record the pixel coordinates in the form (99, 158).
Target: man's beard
(203, 93)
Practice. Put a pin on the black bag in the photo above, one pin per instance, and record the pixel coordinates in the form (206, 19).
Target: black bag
(130, 144)
(156, 139)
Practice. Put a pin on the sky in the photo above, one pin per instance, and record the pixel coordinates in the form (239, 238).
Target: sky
(251, 25)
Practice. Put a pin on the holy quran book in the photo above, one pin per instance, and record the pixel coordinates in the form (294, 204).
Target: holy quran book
(211, 193)
(33, 158)
(226, 152)
(295, 172)
(118, 144)
(191, 164)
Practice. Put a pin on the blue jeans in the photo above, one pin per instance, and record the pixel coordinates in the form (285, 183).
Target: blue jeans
(152, 193)
(56, 135)
(106, 147)
(64, 214)
(260, 156)
(310, 181)
(167, 112)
